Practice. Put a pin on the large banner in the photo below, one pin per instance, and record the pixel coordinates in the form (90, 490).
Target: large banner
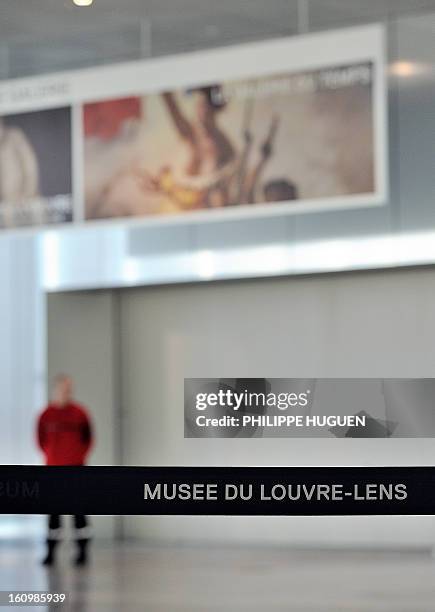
(292, 138)
(288, 126)
(35, 168)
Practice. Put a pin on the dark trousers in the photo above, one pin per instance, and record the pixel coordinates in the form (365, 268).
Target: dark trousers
(81, 528)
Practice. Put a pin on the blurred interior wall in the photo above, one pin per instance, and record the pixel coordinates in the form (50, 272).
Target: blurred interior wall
(373, 324)
(368, 324)
(22, 348)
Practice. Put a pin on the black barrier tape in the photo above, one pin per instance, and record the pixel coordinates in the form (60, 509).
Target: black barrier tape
(217, 490)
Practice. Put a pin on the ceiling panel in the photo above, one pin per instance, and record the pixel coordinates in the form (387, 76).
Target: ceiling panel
(45, 35)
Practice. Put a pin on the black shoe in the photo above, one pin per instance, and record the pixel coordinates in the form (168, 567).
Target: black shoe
(82, 555)
(49, 558)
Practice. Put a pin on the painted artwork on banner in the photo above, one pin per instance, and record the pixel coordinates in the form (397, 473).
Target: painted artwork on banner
(35, 168)
(286, 140)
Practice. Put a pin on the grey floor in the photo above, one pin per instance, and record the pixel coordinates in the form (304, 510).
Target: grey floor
(129, 578)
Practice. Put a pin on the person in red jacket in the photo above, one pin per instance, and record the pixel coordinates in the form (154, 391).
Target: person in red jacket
(65, 437)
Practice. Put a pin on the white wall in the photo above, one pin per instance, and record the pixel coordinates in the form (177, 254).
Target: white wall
(374, 324)
(22, 355)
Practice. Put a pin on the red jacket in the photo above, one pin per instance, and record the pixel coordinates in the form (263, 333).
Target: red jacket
(65, 434)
